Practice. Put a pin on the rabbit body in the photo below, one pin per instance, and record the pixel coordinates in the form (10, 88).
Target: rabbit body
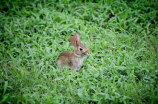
(68, 58)
(73, 59)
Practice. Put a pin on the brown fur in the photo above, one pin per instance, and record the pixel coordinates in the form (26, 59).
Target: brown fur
(73, 59)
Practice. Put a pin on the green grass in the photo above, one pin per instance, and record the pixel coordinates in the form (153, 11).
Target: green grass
(122, 37)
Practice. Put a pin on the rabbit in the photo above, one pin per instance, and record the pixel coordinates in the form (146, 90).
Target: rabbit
(73, 60)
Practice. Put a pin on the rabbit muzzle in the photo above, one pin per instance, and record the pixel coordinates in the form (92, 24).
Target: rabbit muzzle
(86, 53)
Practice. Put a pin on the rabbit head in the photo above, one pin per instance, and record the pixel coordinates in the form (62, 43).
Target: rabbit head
(80, 50)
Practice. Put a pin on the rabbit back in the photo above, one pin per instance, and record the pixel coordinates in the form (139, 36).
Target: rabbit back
(65, 59)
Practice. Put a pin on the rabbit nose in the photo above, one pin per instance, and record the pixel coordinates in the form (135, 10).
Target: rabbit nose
(87, 52)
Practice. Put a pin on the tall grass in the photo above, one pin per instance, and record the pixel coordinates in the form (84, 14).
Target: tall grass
(123, 42)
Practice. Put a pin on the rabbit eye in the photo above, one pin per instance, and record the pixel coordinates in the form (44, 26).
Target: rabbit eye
(81, 49)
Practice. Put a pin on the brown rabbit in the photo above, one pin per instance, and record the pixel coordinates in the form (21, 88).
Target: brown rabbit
(73, 59)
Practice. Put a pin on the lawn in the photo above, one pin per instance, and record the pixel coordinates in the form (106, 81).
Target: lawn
(122, 36)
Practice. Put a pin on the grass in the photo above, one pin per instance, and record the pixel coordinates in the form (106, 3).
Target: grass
(121, 36)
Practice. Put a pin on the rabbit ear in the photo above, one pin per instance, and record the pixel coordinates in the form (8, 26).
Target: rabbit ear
(77, 37)
(73, 40)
